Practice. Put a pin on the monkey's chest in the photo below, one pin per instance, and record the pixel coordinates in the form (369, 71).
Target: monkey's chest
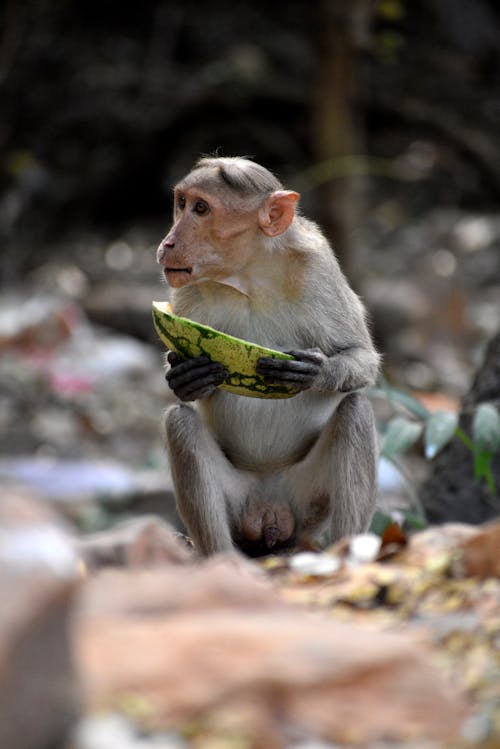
(278, 325)
(265, 435)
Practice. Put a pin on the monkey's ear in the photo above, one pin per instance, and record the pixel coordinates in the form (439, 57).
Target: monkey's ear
(277, 212)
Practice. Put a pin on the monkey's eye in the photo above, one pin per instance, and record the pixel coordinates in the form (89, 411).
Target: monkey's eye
(200, 207)
(181, 202)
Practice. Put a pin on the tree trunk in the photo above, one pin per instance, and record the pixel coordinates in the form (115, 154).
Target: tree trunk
(337, 132)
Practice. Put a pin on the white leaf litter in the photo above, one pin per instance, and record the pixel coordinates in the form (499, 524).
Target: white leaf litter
(310, 563)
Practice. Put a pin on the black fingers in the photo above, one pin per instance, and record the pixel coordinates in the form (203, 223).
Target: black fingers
(174, 359)
(280, 367)
(310, 355)
(195, 378)
(299, 374)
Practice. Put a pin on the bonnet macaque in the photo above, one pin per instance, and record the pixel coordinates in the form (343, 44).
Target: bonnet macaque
(257, 474)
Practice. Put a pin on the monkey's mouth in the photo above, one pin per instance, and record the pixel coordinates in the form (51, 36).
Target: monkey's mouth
(177, 277)
(179, 270)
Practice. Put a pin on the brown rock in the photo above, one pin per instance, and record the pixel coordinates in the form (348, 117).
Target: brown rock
(220, 582)
(139, 542)
(481, 552)
(38, 576)
(213, 640)
(427, 545)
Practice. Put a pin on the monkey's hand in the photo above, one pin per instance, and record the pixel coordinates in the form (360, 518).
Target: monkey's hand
(191, 379)
(299, 372)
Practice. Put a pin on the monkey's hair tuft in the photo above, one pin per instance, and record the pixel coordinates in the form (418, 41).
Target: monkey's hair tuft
(241, 174)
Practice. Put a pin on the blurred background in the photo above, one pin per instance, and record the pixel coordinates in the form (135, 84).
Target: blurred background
(384, 114)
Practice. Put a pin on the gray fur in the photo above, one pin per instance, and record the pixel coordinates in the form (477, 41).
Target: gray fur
(314, 453)
(242, 175)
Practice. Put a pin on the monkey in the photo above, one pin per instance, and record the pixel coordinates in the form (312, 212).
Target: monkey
(256, 475)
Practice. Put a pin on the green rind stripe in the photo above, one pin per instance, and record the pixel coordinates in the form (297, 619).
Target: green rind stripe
(190, 339)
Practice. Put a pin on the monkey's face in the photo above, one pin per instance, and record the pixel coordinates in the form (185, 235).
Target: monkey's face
(209, 240)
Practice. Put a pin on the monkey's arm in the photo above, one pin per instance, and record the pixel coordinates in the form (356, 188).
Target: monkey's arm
(191, 379)
(347, 370)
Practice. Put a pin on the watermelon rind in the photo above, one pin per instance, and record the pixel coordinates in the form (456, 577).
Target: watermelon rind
(189, 339)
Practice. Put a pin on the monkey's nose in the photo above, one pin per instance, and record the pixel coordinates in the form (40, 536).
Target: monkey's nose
(163, 248)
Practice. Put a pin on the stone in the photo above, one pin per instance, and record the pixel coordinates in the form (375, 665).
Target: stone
(38, 580)
(214, 642)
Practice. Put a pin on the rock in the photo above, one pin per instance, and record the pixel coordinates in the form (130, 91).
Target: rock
(451, 493)
(221, 581)
(436, 543)
(142, 541)
(38, 579)
(214, 642)
(481, 552)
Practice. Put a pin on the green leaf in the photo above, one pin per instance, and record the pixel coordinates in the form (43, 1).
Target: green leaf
(439, 430)
(379, 523)
(482, 463)
(482, 468)
(486, 427)
(415, 521)
(383, 390)
(399, 436)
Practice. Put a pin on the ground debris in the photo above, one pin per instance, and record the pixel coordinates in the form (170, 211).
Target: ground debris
(445, 585)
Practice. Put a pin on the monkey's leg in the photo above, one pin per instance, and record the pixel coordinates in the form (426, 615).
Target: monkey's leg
(339, 473)
(207, 485)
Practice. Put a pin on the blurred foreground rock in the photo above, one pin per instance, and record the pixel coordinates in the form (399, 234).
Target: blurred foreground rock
(275, 672)
(38, 581)
(213, 643)
(130, 640)
(136, 542)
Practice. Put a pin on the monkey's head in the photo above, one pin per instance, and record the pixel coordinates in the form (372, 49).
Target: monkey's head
(225, 210)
